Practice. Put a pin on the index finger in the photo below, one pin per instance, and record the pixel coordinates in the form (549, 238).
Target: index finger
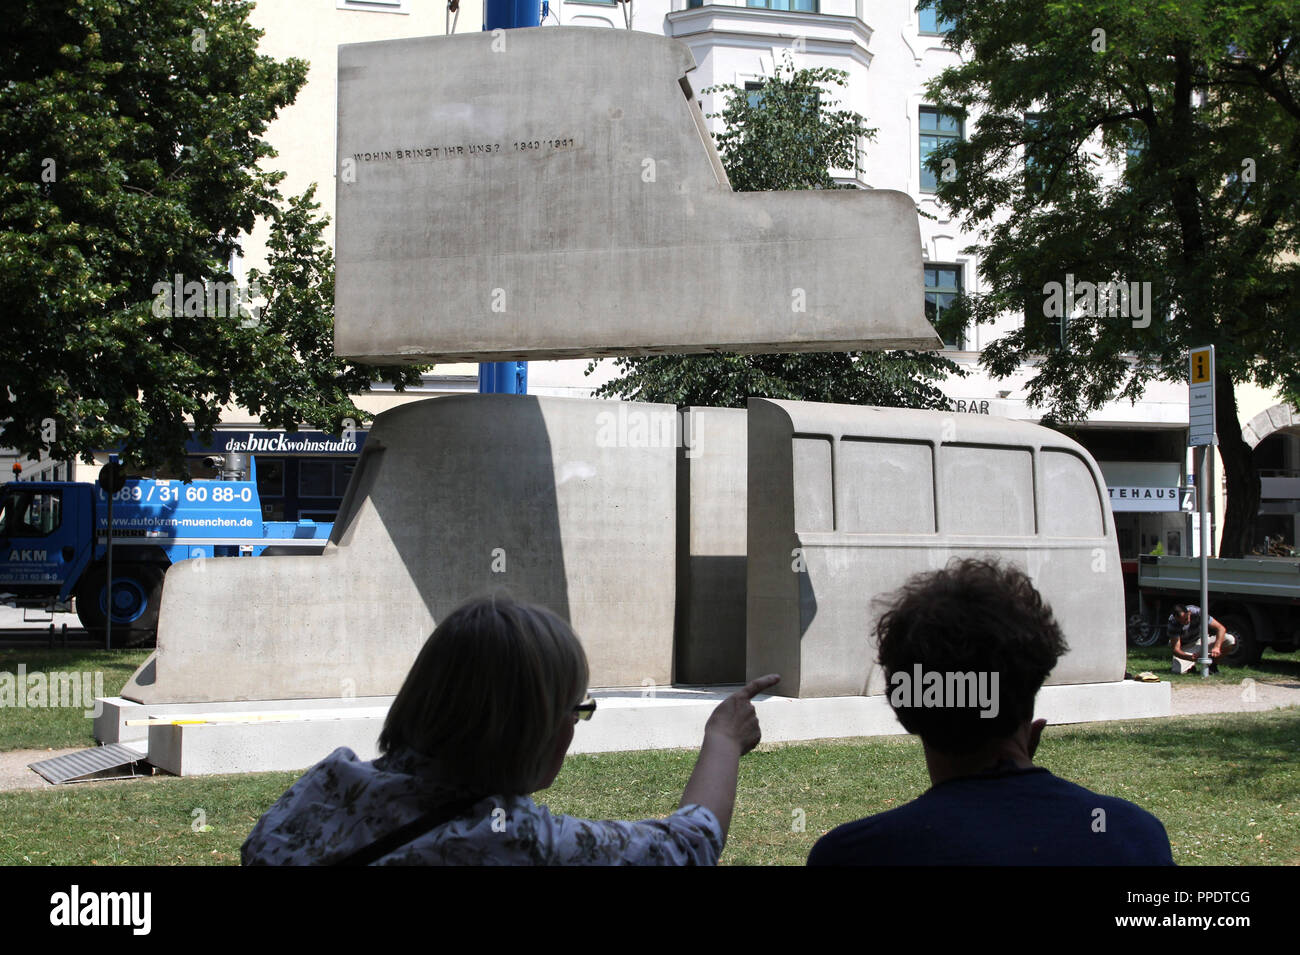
(758, 685)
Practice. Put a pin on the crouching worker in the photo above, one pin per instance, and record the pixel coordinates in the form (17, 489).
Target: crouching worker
(484, 719)
(965, 651)
(1184, 629)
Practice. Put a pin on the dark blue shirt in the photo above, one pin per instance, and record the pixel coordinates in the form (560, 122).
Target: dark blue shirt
(1004, 817)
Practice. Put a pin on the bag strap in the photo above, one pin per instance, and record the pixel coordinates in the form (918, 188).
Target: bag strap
(409, 832)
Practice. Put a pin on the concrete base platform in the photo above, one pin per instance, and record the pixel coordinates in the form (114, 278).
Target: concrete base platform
(192, 739)
(675, 716)
(120, 720)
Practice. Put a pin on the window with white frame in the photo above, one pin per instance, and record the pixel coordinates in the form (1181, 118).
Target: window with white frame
(937, 128)
(942, 286)
(929, 23)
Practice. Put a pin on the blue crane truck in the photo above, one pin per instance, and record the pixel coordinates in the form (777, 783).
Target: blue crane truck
(54, 543)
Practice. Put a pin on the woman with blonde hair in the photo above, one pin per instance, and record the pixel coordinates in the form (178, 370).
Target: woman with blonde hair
(483, 720)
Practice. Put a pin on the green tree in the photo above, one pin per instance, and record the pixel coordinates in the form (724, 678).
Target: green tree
(288, 373)
(1153, 144)
(131, 162)
(786, 135)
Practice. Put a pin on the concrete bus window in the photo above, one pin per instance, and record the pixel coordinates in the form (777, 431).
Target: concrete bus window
(1071, 501)
(886, 487)
(989, 491)
(814, 503)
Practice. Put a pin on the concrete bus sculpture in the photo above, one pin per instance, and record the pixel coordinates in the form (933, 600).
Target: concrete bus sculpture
(842, 503)
(555, 193)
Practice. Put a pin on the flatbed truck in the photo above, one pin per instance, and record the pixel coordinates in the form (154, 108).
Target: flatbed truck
(1257, 599)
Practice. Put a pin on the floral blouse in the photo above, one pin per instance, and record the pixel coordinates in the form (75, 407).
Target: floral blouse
(343, 804)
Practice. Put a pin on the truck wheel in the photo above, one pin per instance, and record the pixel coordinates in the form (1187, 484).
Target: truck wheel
(1248, 649)
(137, 589)
(1143, 634)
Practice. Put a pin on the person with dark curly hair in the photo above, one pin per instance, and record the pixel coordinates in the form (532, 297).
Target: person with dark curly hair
(965, 650)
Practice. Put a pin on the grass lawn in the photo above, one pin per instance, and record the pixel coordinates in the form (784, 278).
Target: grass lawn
(60, 727)
(1236, 775)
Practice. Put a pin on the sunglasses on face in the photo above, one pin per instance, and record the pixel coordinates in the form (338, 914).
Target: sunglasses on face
(585, 709)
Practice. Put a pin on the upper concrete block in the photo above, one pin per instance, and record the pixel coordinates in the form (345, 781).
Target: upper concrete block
(576, 513)
(846, 503)
(554, 193)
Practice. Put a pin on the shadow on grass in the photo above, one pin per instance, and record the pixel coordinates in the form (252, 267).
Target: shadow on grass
(1226, 745)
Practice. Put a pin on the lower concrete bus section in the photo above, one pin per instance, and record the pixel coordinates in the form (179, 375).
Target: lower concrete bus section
(695, 549)
(577, 513)
(846, 503)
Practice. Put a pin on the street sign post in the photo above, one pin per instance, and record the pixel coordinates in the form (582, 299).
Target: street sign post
(1200, 412)
(1201, 433)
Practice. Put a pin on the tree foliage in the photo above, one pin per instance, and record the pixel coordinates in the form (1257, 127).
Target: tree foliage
(1144, 142)
(788, 134)
(131, 154)
(290, 373)
(887, 379)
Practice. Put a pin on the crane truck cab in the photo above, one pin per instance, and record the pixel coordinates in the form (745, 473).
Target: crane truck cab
(54, 543)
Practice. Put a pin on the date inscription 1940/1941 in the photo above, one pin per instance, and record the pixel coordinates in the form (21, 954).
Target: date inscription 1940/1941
(463, 150)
